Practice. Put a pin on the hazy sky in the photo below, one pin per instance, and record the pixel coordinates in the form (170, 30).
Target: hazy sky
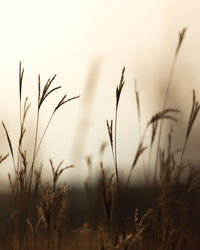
(70, 37)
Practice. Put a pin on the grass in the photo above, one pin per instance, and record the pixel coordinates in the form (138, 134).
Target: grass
(163, 214)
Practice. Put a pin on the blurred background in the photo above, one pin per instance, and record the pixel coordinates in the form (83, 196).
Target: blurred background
(87, 43)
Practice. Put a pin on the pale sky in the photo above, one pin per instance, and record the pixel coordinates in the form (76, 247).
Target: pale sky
(67, 38)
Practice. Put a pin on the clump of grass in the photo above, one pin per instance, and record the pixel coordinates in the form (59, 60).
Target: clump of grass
(38, 218)
(165, 114)
(22, 182)
(161, 228)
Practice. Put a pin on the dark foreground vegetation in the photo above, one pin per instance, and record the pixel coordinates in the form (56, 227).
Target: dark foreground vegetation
(108, 213)
(86, 226)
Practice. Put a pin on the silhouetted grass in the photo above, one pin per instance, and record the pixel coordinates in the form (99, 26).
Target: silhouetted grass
(110, 213)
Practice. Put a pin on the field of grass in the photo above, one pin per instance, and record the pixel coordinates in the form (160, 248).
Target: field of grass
(109, 212)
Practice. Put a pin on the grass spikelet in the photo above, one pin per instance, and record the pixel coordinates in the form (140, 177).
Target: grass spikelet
(138, 104)
(21, 74)
(45, 92)
(102, 148)
(181, 37)
(63, 101)
(57, 171)
(119, 88)
(23, 159)
(193, 114)
(110, 132)
(42, 216)
(160, 116)
(22, 127)
(141, 222)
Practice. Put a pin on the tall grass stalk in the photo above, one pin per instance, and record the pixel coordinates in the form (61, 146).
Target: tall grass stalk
(21, 74)
(180, 41)
(137, 98)
(21, 185)
(113, 143)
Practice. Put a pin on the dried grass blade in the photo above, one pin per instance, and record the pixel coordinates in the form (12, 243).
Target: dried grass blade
(110, 131)
(2, 158)
(39, 89)
(21, 74)
(8, 139)
(139, 152)
(163, 115)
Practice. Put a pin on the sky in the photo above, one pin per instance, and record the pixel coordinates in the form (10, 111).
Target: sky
(87, 43)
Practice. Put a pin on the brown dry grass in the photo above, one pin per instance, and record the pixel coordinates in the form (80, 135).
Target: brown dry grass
(39, 210)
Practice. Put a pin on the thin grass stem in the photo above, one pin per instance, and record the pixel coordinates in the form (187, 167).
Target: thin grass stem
(180, 41)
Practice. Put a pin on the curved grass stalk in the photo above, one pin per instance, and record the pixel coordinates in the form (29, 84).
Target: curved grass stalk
(180, 41)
